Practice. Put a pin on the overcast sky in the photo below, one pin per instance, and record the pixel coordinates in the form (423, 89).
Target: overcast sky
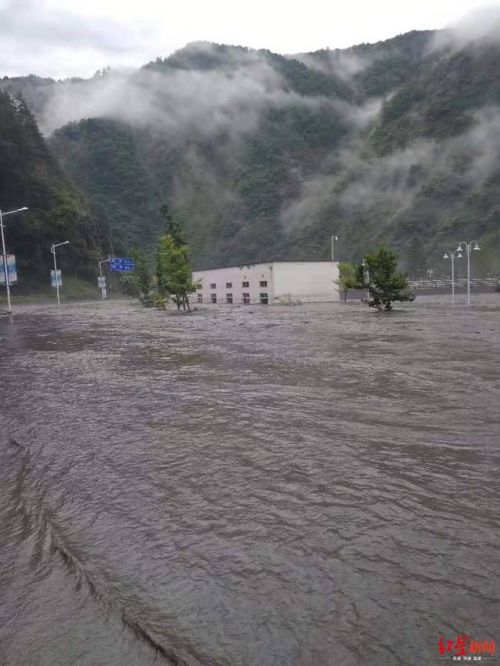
(62, 38)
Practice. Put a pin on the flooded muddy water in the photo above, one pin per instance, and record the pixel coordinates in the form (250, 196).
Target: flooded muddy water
(248, 486)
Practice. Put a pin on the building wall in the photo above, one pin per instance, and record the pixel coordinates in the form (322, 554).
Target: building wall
(306, 281)
(236, 276)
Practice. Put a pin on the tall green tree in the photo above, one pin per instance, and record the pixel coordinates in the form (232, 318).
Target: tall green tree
(172, 227)
(174, 271)
(384, 282)
(348, 278)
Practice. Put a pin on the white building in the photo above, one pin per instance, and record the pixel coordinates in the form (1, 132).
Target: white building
(274, 282)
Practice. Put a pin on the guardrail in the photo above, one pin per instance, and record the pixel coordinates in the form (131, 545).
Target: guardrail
(460, 282)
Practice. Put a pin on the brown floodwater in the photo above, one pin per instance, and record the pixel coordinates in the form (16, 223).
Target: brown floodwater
(248, 486)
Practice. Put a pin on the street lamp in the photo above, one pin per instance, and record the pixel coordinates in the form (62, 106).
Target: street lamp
(56, 278)
(334, 238)
(366, 273)
(5, 269)
(468, 247)
(450, 254)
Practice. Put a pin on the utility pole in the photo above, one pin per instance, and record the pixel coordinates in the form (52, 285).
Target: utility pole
(334, 238)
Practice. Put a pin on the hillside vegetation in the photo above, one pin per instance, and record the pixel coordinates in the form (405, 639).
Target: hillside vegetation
(263, 156)
(30, 176)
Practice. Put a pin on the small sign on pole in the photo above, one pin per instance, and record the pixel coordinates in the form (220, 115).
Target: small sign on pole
(123, 264)
(11, 269)
(56, 278)
(101, 283)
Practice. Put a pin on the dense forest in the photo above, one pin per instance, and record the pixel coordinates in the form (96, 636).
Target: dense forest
(263, 156)
(30, 176)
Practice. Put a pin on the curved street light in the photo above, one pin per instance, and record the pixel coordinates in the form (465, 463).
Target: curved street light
(468, 247)
(53, 250)
(4, 253)
(452, 254)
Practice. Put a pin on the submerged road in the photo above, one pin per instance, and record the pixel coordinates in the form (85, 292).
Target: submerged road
(283, 486)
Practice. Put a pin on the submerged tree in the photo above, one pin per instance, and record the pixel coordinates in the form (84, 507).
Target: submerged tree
(173, 265)
(143, 275)
(140, 282)
(348, 278)
(384, 282)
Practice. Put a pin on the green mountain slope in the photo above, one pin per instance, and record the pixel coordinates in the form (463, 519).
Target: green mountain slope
(264, 156)
(30, 176)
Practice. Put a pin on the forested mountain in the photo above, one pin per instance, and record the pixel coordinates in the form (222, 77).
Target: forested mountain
(264, 156)
(30, 176)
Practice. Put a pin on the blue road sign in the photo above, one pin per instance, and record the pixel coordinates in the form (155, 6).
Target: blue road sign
(121, 264)
(11, 269)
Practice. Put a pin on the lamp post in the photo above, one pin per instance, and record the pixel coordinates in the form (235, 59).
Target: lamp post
(334, 238)
(468, 247)
(451, 254)
(53, 250)
(4, 253)
(367, 277)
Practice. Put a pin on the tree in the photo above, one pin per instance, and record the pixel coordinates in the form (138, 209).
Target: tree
(348, 278)
(385, 283)
(172, 227)
(140, 282)
(173, 270)
(30, 176)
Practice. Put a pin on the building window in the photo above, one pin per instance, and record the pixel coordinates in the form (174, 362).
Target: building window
(229, 285)
(213, 298)
(246, 299)
(200, 286)
(264, 299)
(263, 283)
(200, 298)
(229, 298)
(213, 286)
(245, 285)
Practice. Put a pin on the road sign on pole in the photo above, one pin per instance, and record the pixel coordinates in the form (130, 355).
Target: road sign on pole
(123, 264)
(101, 283)
(11, 269)
(56, 278)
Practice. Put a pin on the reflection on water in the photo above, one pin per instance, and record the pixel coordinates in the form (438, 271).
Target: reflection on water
(248, 486)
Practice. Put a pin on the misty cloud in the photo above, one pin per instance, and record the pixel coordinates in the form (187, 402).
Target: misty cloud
(392, 182)
(184, 103)
(480, 27)
(343, 64)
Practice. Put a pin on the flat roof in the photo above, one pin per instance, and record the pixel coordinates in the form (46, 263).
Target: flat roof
(265, 263)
